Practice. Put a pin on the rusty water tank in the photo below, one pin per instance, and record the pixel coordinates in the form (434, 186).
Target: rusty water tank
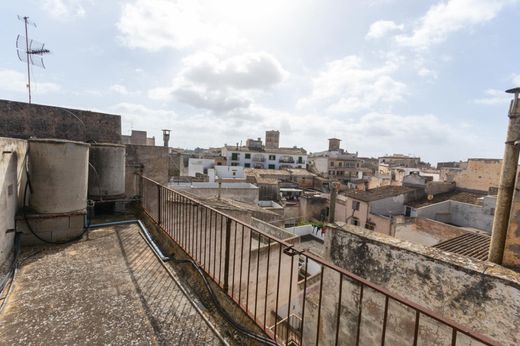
(59, 175)
(107, 173)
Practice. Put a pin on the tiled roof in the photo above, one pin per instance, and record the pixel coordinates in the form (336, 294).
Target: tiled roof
(470, 244)
(378, 193)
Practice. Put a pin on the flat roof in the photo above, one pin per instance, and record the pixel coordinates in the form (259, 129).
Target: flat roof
(459, 196)
(378, 193)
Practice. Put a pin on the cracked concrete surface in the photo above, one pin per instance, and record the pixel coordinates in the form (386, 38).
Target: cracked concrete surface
(107, 289)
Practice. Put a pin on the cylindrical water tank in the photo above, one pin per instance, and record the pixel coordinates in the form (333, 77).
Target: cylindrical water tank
(59, 175)
(107, 174)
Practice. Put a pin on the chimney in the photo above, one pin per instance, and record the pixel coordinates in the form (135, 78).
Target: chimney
(505, 240)
(334, 144)
(166, 137)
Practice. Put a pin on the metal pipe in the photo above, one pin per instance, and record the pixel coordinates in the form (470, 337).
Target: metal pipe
(507, 183)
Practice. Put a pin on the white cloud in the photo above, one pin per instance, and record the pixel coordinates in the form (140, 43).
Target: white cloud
(382, 28)
(119, 89)
(515, 79)
(158, 24)
(65, 8)
(345, 86)
(494, 97)
(448, 17)
(14, 81)
(221, 84)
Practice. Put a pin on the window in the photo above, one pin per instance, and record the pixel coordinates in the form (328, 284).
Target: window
(332, 163)
(234, 163)
(370, 225)
(248, 156)
(339, 164)
(300, 159)
(355, 221)
(234, 156)
(355, 205)
(246, 165)
(272, 157)
(272, 166)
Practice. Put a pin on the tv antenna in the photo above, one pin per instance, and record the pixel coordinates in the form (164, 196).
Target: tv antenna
(30, 51)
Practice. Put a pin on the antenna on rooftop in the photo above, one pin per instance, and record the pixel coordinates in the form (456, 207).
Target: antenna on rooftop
(30, 51)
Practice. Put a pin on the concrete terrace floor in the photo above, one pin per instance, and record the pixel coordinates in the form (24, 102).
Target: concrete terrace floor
(107, 289)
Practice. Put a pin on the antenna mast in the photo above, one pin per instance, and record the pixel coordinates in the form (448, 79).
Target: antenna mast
(30, 51)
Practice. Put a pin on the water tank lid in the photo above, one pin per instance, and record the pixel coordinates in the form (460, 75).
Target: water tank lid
(107, 145)
(56, 141)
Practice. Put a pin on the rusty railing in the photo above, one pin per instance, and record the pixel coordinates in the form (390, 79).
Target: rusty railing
(269, 279)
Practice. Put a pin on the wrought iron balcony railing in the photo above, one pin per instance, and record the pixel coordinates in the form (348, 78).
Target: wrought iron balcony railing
(266, 277)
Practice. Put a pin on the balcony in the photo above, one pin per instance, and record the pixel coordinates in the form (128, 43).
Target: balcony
(287, 159)
(258, 158)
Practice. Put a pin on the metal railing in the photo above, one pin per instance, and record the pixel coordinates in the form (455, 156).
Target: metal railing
(263, 275)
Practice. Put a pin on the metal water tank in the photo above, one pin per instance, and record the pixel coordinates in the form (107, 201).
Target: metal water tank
(59, 175)
(107, 173)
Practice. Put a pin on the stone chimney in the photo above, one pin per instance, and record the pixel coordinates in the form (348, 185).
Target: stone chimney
(334, 144)
(166, 137)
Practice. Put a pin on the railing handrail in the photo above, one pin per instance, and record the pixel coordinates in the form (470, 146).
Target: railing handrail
(418, 308)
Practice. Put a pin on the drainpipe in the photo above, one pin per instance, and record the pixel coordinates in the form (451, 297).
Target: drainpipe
(507, 182)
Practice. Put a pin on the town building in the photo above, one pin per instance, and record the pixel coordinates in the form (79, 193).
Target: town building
(476, 174)
(138, 138)
(374, 209)
(337, 163)
(255, 155)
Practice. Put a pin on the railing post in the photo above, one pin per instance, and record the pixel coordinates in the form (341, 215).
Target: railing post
(226, 254)
(159, 204)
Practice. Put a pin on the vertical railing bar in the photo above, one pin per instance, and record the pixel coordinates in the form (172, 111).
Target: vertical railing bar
(226, 255)
(210, 242)
(190, 228)
(454, 337)
(215, 248)
(257, 271)
(220, 249)
(277, 289)
(241, 262)
(360, 313)
(339, 307)
(304, 294)
(234, 261)
(267, 280)
(205, 237)
(159, 205)
(385, 318)
(199, 232)
(416, 329)
(319, 307)
(289, 302)
(249, 268)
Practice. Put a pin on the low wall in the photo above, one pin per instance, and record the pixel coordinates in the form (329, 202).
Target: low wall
(152, 161)
(24, 120)
(426, 231)
(271, 229)
(482, 296)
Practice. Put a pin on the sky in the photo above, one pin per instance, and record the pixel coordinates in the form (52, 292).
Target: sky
(425, 78)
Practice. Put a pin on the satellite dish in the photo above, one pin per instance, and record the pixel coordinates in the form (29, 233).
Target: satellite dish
(430, 197)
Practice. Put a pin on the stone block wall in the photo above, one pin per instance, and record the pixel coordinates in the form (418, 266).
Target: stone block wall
(23, 120)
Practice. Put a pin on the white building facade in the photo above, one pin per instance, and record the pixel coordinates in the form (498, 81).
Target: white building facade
(276, 158)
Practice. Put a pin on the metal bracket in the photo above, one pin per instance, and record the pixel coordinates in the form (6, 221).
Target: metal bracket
(290, 251)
